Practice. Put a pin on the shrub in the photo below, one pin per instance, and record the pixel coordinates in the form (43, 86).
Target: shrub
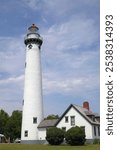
(75, 136)
(55, 136)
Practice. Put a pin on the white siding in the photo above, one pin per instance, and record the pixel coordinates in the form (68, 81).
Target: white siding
(79, 121)
(42, 133)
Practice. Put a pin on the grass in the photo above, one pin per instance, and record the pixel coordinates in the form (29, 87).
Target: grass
(46, 147)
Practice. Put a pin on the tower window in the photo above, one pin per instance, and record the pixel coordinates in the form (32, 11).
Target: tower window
(30, 46)
(25, 64)
(34, 120)
(72, 120)
(66, 119)
(26, 133)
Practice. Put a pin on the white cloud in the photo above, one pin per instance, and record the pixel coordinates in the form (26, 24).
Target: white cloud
(12, 80)
(71, 34)
(70, 69)
(60, 9)
(11, 72)
(63, 43)
(70, 86)
(12, 55)
(33, 4)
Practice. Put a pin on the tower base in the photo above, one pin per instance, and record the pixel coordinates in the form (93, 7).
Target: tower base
(34, 142)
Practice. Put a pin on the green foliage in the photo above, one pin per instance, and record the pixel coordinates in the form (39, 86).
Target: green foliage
(13, 129)
(75, 136)
(10, 126)
(55, 136)
(3, 121)
(52, 116)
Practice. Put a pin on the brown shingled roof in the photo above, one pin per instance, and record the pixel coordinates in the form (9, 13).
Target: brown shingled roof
(47, 123)
(85, 113)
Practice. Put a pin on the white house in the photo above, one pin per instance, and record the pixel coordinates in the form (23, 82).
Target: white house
(74, 116)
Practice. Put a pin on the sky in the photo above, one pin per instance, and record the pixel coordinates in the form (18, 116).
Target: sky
(70, 53)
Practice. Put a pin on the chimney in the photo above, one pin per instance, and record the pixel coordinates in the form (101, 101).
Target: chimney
(86, 105)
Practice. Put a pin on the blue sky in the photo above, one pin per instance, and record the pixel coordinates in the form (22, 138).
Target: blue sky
(70, 52)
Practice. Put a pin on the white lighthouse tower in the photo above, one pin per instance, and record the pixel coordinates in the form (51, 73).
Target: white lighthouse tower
(32, 103)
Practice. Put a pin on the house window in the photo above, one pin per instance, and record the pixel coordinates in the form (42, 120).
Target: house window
(64, 128)
(34, 120)
(26, 133)
(66, 118)
(95, 130)
(72, 120)
(98, 131)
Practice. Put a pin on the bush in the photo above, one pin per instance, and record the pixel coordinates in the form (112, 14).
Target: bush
(75, 136)
(55, 136)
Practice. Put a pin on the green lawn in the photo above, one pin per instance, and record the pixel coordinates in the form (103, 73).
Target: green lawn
(46, 147)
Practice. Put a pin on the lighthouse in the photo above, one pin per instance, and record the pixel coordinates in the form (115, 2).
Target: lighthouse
(32, 102)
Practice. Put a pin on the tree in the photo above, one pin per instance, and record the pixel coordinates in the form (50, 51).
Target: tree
(75, 136)
(3, 121)
(13, 129)
(52, 116)
(55, 136)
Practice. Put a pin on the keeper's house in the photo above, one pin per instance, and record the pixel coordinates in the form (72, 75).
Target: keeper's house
(74, 116)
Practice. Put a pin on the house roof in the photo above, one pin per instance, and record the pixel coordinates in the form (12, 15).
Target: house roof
(96, 115)
(87, 114)
(47, 123)
(83, 112)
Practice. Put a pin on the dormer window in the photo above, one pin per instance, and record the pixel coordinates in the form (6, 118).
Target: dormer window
(92, 117)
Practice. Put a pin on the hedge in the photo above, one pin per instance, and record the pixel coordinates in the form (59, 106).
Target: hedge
(75, 136)
(55, 136)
